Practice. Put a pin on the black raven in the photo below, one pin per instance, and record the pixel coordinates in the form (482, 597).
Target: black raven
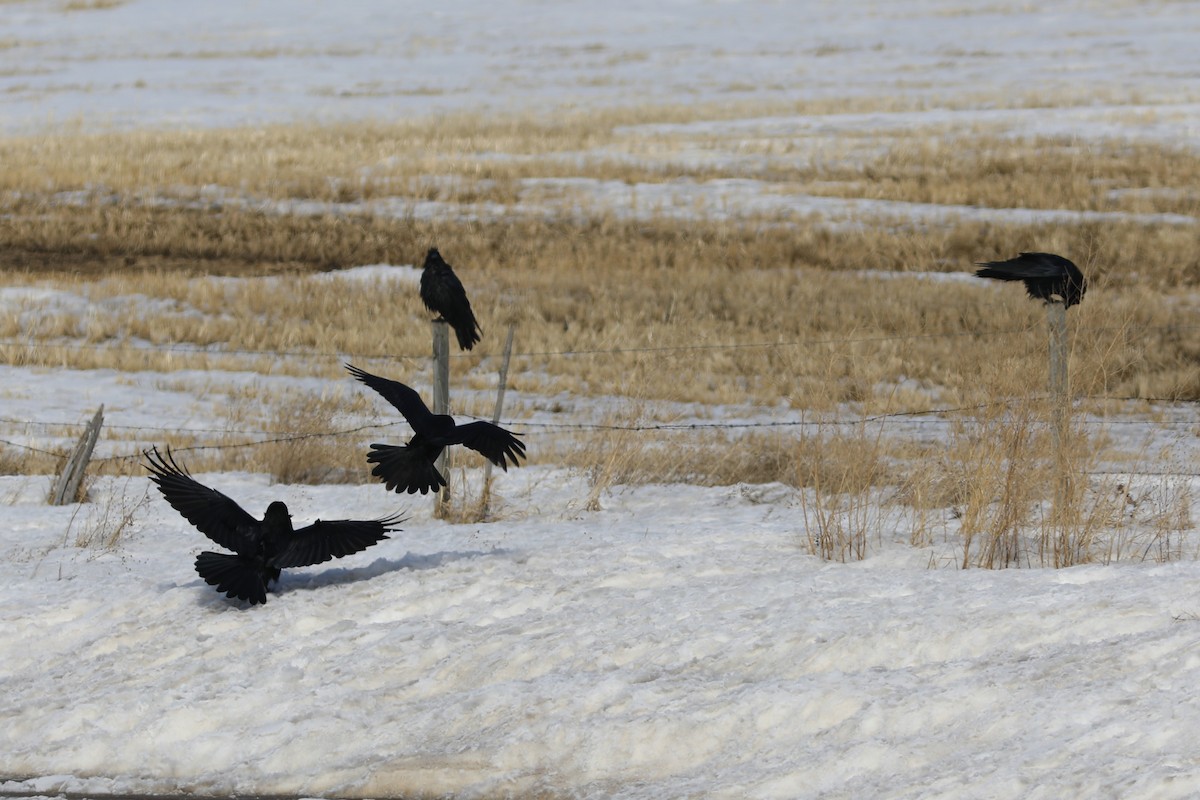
(261, 549)
(443, 294)
(1046, 276)
(410, 468)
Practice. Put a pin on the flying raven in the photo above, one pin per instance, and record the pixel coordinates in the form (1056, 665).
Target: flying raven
(261, 549)
(1046, 276)
(443, 294)
(410, 468)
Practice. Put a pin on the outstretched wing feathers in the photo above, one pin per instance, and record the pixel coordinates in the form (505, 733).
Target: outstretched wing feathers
(492, 441)
(410, 468)
(215, 515)
(405, 399)
(329, 539)
(262, 548)
(1026, 265)
(404, 468)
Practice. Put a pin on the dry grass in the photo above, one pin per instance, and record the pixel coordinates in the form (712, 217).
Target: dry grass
(766, 310)
(20, 461)
(1005, 172)
(828, 459)
(464, 157)
(824, 333)
(1148, 522)
(1003, 477)
(841, 512)
(1021, 499)
(108, 520)
(301, 451)
(465, 499)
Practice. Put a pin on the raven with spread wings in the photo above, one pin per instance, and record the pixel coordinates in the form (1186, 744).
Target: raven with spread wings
(443, 294)
(410, 468)
(261, 549)
(1047, 276)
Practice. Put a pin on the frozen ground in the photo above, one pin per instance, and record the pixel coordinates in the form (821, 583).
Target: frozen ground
(678, 641)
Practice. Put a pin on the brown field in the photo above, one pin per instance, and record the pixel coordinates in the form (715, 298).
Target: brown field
(766, 310)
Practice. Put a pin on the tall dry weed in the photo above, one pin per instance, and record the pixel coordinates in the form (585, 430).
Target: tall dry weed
(1145, 518)
(305, 446)
(14, 460)
(840, 469)
(111, 518)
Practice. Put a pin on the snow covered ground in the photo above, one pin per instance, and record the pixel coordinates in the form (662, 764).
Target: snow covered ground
(678, 641)
(151, 62)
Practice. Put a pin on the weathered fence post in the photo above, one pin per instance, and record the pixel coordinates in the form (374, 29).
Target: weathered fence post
(487, 468)
(441, 400)
(1056, 316)
(66, 487)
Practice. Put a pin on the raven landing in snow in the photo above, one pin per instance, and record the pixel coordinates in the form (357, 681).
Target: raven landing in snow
(410, 468)
(1047, 276)
(443, 294)
(261, 549)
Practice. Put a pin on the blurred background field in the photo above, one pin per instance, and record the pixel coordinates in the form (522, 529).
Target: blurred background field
(703, 247)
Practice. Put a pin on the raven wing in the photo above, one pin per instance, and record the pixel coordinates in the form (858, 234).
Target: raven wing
(213, 514)
(1045, 275)
(322, 541)
(466, 327)
(495, 443)
(405, 399)
(1027, 265)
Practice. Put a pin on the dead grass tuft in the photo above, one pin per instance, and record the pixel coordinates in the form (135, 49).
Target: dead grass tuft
(108, 521)
(304, 451)
(832, 461)
(20, 461)
(840, 510)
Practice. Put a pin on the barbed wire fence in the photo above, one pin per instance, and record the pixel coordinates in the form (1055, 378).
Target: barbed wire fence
(251, 438)
(187, 349)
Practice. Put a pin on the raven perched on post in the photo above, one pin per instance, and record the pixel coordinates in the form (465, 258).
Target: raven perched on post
(1046, 276)
(261, 549)
(410, 468)
(443, 294)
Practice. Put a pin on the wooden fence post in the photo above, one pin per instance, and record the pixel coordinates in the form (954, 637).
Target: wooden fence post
(1056, 316)
(66, 487)
(487, 468)
(441, 400)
